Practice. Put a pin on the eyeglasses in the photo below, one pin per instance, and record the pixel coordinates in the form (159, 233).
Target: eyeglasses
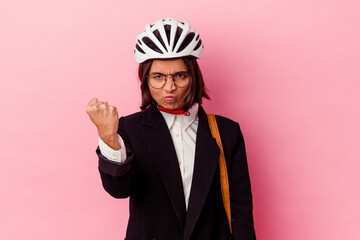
(158, 80)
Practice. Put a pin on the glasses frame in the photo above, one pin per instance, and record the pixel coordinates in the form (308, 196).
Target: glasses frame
(172, 77)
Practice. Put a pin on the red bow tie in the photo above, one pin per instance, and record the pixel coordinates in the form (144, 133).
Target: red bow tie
(177, 111)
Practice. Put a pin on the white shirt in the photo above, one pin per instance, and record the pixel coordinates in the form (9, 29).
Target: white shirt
(183, 131)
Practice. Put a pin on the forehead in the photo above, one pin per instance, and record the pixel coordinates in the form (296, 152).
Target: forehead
(168, 66)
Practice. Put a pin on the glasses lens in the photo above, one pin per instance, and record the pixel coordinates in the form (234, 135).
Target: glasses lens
(157, 80)
(181, 79)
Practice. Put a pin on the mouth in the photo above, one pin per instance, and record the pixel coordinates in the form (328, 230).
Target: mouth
(170, 98)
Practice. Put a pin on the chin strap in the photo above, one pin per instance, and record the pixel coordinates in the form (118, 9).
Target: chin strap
(176, 111)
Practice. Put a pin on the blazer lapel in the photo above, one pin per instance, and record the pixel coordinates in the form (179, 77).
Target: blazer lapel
(163, 152)
(206, 162)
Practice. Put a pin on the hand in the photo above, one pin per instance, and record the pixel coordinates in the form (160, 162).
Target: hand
(106, 119)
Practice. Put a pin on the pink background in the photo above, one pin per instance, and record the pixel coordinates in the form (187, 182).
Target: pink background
(287, 71)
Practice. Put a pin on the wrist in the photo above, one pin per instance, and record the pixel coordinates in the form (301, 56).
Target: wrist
(112, 141)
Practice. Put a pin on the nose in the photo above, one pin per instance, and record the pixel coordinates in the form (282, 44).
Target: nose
(169, 84)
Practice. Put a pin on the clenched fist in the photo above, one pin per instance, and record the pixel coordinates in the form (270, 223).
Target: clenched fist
(106, 119)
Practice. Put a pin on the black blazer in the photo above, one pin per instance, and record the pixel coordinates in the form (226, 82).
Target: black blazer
(151, 177)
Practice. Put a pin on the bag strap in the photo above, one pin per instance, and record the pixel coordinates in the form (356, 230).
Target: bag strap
(224, 180)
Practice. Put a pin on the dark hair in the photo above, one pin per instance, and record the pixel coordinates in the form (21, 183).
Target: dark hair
(197, 88)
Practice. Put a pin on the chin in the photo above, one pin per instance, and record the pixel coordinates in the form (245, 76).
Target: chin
(171, 106)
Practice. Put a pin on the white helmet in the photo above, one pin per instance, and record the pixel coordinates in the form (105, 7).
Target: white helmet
(168, 38)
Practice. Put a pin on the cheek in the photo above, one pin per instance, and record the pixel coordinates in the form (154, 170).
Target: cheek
(185, 92)
(155, 94)
(151, 91)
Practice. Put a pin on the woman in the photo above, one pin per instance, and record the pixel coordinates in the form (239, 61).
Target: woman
(164, 157)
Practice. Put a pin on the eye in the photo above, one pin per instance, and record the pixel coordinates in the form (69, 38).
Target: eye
(157, 75)
(181, 75)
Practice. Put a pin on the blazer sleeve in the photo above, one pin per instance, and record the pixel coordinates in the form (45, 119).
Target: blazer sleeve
(118, 179)
(239, 185)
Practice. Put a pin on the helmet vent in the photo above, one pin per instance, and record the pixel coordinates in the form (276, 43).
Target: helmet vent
(177, 36)
(186, 41)
(158, 36)
(167, 28)
(151, 44)
(197, 45)
(139, 49)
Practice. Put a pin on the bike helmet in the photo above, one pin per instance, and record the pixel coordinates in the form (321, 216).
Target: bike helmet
(168, 38)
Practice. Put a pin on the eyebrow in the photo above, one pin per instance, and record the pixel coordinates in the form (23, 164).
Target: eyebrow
(169, 73)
